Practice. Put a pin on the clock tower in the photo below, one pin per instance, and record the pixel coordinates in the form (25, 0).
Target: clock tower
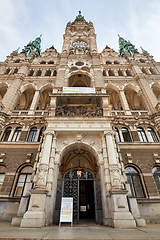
(79, 37)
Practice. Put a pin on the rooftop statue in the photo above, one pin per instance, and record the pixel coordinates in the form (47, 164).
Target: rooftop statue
(79, 16)
(15, 52)
(126, 47)
(33, 47)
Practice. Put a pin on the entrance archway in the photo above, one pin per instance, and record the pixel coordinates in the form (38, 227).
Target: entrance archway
(79, 178)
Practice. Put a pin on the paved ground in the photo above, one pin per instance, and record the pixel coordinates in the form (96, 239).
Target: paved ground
(83, 232)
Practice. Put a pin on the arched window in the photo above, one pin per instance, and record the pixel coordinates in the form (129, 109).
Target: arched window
(7, 71)
(153, 136)
(31, 72)
(118, 139)
(17, 134)
(15, 71)
(111, 72)
(2, 176)
(38, 73)
(32, 135)
(135, 183)
(156, 175)
(17, 61)
(116, 62)
(55, 73)
(48, 73)
(24, 182)
(126, 135)
(141, 134)
(41, 133)
(104, 73)
(50, 62)
(128, 72)
(6, 134)
(42, 62)
(144, 71)
(120, 73)
(108, 62)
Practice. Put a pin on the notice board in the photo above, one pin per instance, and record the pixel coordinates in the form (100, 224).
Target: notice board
(66, 214)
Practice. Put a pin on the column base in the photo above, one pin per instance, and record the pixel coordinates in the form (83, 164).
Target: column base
(16, 221)
(33, 219)
(123, 220)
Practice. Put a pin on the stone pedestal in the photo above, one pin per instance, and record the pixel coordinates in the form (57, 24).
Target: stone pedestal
(35, 216)
(120, 214)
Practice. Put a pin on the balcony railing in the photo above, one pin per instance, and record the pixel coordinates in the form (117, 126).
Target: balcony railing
(136, 113)
(28, 112)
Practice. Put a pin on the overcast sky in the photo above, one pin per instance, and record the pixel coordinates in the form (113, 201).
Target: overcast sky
(135, 20)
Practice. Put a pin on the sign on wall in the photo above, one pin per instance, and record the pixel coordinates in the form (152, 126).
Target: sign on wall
(66, 214)
(78, 90)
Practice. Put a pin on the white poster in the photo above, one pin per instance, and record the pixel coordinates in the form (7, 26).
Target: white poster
(78, 90)
(66, 214)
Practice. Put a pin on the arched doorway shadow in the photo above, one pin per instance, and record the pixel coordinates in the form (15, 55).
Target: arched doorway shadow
(79, 178)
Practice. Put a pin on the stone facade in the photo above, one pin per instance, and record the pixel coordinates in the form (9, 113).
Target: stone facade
(105, 123)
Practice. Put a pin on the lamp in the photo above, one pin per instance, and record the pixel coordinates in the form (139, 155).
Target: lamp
(79, 172)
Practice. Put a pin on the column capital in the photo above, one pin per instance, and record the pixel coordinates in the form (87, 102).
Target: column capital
(109, 132)
(47, 132)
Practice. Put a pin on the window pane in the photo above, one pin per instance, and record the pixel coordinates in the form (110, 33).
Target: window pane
(23, 184)
(2, 176)
(6, 134)
(141, 134)
(152, 134)
(126, 135)
(156, 174)
(16, 135)
(32, 135)
(134, 180)
(117, 135)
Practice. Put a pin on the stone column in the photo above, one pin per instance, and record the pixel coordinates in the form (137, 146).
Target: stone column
(53, 106)
(150, 98)
(120, 215)
(124, 102)
(106, 106)
(34, 102)
(36, 214)
(11, 97)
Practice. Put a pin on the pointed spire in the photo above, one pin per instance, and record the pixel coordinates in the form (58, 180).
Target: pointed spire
(126, 47)
(144, 52)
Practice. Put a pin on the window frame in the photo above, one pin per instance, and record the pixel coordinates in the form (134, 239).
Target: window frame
(32, 135)
(5, 137)
(153, 135)
(141, 134)
(125, 133)
(23, 183)
(134, 178)
(156, 175)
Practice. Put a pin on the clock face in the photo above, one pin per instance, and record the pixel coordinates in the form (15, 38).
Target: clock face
(80, 44)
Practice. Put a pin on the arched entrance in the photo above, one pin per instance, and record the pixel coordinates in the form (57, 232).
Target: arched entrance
(79, 178)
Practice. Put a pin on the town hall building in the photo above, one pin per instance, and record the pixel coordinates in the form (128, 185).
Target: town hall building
(80, 124)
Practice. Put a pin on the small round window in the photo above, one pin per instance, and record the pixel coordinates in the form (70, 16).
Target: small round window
(79, 63)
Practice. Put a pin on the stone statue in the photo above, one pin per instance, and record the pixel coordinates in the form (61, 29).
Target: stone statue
(33, 47)
(126, 47)
(15, 52)
(79, 16)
